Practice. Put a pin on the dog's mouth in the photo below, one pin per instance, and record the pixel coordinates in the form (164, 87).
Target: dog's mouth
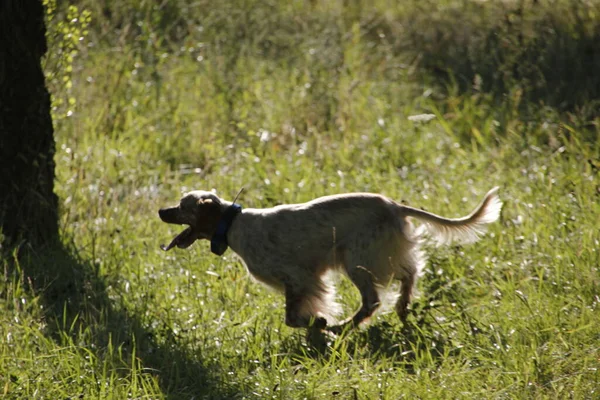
(183, 240)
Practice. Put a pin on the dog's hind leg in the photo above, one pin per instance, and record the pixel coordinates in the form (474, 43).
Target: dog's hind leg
(401, 307)
(363, 280)
(410, 269)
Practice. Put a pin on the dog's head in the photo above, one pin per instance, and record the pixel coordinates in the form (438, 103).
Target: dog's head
(200, 210)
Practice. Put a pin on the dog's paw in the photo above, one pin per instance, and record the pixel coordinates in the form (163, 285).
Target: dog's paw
(337, 330)
(318, 323)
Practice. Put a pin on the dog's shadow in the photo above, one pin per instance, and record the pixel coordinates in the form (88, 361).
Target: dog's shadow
(421, 337)
(76, 300)
(401, 343)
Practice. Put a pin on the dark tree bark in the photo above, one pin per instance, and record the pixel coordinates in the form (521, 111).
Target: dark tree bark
(28, 205)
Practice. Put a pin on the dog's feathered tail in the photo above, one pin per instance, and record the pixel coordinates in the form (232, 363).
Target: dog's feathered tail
(459, 230)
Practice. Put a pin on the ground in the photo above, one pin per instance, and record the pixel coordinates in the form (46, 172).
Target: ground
(292, 102)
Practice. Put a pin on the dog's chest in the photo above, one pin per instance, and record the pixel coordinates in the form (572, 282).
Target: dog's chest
(263, 270)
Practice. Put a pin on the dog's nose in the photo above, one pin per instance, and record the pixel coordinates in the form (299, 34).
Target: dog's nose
(169, 215)
(162, 213)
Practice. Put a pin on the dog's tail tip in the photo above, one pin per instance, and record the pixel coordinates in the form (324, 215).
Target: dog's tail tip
(493, 191)
(491, 207)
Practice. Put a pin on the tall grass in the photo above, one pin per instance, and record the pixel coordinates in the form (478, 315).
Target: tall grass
(292, 101)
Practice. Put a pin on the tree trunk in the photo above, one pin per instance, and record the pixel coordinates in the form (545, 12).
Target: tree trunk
(28, 205)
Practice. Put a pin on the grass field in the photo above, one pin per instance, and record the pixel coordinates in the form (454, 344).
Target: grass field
(292, 101)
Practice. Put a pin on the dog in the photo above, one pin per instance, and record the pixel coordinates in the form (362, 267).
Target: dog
(291, 248)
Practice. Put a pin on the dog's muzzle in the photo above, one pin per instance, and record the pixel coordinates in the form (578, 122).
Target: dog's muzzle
(185, 238)
(169, 215)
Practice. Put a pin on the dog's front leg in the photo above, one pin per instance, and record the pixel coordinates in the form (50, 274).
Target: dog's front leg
(293, 311)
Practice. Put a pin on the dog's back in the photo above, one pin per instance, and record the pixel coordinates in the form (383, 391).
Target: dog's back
(311, 234)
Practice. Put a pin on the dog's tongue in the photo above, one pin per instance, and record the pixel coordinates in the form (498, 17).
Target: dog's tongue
(183, 240)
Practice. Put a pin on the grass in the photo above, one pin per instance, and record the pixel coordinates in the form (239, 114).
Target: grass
(293, 101)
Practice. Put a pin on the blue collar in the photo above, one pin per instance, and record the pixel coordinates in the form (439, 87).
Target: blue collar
(218, 243)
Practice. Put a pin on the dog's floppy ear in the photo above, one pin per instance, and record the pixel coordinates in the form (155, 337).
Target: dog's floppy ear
(208, 204)
(209, 208)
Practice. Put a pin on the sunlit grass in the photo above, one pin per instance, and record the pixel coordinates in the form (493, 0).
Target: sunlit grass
(513, 316)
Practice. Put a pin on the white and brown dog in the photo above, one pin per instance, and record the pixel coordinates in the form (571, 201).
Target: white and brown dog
(292, 247)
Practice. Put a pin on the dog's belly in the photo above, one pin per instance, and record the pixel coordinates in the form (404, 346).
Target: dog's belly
(277, 272)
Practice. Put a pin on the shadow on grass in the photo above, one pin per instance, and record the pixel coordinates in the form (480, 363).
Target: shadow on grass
(76, 300)
(427, 337)
(538, 53)
(420, 340)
